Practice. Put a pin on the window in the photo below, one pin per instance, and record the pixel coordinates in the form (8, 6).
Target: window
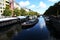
(0, 11)
(3, 4)
(0, 7)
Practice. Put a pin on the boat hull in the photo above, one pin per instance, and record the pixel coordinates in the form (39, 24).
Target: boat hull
(24, 26)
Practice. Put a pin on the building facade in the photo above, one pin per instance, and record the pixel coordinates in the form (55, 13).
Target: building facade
(12, 4)
(3, 5)
(16, 5)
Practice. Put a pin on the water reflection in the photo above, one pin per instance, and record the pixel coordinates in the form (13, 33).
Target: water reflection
(37, 32)
(34, 33)
(42, 22)
(7, 32)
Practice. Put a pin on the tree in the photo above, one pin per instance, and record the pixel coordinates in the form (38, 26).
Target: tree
(37, 14)
(23, 12)
(7, 11)
(32, 13)
(53, 10)
(29, 13)
(17, 12)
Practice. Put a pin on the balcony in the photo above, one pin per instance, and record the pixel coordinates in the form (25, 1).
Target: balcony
(7, 1)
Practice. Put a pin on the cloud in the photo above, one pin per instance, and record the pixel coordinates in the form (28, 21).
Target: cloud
(53, 0)
(24, 3)
(32, 6)
(42, 5)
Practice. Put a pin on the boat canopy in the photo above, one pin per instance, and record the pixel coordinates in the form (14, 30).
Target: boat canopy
(22, 17)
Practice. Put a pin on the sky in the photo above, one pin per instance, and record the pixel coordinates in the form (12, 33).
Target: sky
(39, 6)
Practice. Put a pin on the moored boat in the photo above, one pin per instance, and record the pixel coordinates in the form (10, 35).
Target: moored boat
(29, 23)
(55, 22)
(8, 21)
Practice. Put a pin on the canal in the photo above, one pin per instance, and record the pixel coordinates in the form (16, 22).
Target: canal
(37, 32)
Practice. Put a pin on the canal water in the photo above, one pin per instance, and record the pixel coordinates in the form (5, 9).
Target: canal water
(37, 32)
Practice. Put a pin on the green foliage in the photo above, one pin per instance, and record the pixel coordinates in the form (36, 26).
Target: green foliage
(7, 7)
(23, 12)
(17, 12)
(32, 13)
(37, 14)
(7, 11)
(53, 10)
